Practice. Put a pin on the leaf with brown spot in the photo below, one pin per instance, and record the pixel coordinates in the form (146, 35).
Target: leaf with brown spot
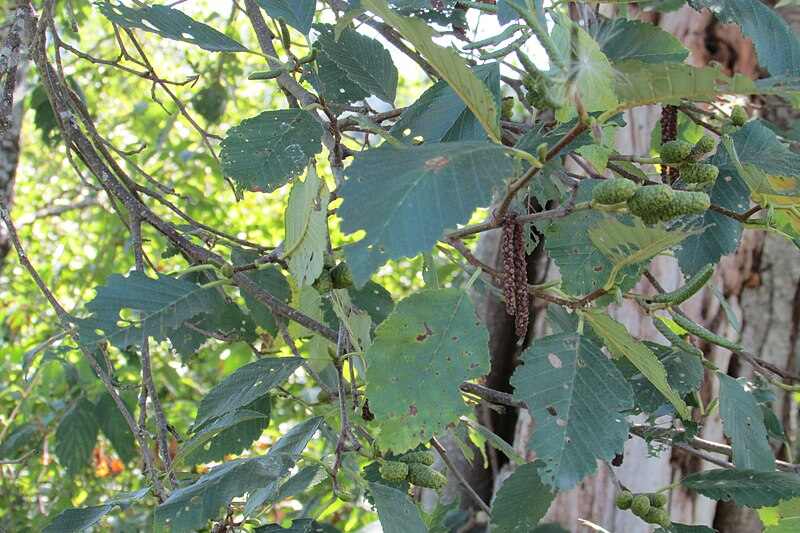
(413, 385)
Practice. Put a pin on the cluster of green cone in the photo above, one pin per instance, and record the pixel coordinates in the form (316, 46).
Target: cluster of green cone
(651, 203)
(649, 507)
(416, 468)
(660, 202)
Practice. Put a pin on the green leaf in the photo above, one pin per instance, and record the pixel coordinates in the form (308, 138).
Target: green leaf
(583, 267)
(592, 72)
(240, 419)
(622, 39)
(268, 278)
(19, 441)
(396, 511)
(114, 427)
(440, 115)
(788, 517)
(169, 23)
(306, 219)
(576, 396)
(628, 245)
(299, 14)
(244, 386)
(262, 153)
(684, 375)
(76, 520)
(302, 525)
(421, 354)
(447, 63)
(404, 198)
(76, 436)
(332, 82)
(639, 84)
(363, 60)
(521, 502)
(743, 422)
(748, 488)
(622, 344)
(303, 480)
(190, 507)
(776, 44)
(720, 234)
(160, 306)
(229, 434)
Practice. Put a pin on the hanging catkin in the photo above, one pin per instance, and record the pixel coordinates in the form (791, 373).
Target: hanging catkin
(515, 275)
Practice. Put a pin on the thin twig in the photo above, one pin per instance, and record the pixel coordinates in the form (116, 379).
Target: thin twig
(460, 477)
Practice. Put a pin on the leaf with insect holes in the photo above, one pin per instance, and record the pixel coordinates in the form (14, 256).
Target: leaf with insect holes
(621, 344)
(447, 63)
(264, 152)
(169, 23)
(748, 488)
(440, 115)
(420, 355)
(159, 308)
(576, 397)
(743, 422)
(363, 60)
(405, 198)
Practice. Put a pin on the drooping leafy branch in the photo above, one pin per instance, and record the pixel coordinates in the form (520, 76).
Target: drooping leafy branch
(379, 381)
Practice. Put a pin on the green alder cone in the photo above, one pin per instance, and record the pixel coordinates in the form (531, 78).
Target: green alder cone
(658, 516)
(738, 116)
(657, 499)
(210, 102)
(422, 457)
(624, 500)
(674, 152)
(425, 476)
(394, 471)
(640, 505)
(650, 203)
(705, 145)
(691, 203)
(614, 191)
(507, 111)
(699, 173)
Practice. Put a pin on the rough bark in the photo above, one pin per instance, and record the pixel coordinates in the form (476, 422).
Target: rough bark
(760, 283)
(10, 132)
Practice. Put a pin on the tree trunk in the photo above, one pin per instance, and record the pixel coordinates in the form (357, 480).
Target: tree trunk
(10, 134)
(760, 283)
